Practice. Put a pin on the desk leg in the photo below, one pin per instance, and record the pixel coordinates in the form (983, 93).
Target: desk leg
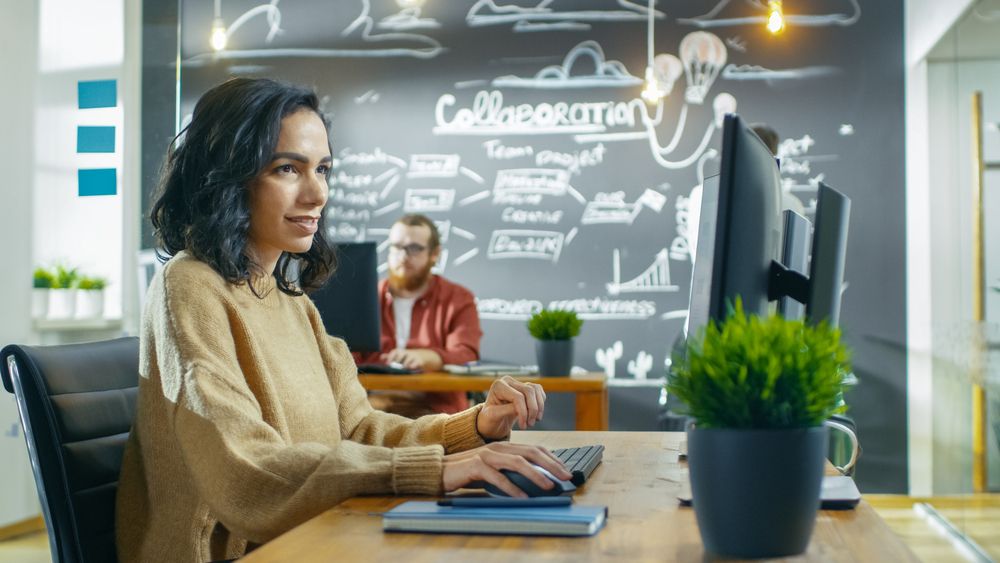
(592, 410)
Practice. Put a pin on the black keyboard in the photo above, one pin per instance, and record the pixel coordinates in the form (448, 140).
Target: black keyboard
(580, 461)
(385, 369)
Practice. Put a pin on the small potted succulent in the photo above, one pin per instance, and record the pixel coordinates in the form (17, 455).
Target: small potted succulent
(62, 296)
(41, 283)
(90, 297)
(760, 391)
(554, 332)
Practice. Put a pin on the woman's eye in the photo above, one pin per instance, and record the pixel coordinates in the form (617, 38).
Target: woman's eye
(323, 169)
(286, 169)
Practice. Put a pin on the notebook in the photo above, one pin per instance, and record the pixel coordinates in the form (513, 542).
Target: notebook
(428, 516)
(478, 368)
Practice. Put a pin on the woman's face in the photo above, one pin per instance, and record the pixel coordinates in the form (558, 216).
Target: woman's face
(287, 197)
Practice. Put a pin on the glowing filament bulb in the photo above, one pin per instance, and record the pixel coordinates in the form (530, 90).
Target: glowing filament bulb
(652, 92)
(219, 35)
(775, 17)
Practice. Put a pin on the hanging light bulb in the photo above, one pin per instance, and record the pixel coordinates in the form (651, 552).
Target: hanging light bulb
(219, 35)
(775, 17)
(652, 92)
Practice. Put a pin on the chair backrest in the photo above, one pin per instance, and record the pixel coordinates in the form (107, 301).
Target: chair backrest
(76, 403)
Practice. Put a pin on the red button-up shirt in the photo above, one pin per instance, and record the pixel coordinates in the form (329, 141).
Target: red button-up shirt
(444, 320)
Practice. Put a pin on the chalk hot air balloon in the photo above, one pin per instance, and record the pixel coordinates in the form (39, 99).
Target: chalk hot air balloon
(722, 104)
(667, 69)
(703, 55)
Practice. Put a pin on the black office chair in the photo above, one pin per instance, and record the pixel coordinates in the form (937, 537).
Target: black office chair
(76, 404)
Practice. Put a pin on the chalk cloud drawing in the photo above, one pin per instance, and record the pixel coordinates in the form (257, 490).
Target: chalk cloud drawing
(757, 72)
(655, 278)
(607, 357)
(387, 44)
(539, 16)
(712, 17)
(846, 129)
(640, 366)
(607, 73)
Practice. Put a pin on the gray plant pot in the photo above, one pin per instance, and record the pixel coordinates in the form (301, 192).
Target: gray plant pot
(756, 492)
(555, 357)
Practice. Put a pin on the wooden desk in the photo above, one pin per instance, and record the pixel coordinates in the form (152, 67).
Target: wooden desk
(591, 390)
(638, 481)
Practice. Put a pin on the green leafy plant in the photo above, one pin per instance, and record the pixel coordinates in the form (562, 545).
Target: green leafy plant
(554, 325)
(91, 283)
(42, 278)
(65, 278)
(752, 372)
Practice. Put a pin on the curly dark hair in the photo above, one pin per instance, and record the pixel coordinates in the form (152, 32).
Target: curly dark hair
(202, 204)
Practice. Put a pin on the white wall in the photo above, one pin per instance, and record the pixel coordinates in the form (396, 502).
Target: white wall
(18, 56)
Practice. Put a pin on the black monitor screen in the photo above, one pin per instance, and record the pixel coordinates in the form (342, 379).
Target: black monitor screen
(348, 303)
(739, 232)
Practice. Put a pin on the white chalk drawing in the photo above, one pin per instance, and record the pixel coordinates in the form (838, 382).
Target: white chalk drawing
(712, 19)
(845, 130)
(347, 214)
(533, 216)
(573, 161)
(487, 12)
(678, 314)
(667, 69)
(471, 84)
(355, 198)
(466, 257)
(489, 116)
(428, 200)
(407, 19)
(347, 157)
(571, 235)
(703, 55)
(736, 43)
(387, 209)
(496, 150)
(516, 243)
(474, 198)
(681, 248)
(347, 232)
(369, 96)
(271, 13)
(463, 233)
(433, 166)
(523, 26)
(655, 278)
(757, 72)
(606, 73)
(444, 229)
(641, 365)
(612, 207)
(608, 357)
(541, 181)
(507, 310)
(414, 45)
(388, 186)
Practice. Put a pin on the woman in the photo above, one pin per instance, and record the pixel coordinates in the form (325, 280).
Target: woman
(250, 419)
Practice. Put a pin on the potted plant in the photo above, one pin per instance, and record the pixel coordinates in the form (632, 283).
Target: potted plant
(62, 296)
(760, 391)
(90, 297)
(41, 283)
(554, 332)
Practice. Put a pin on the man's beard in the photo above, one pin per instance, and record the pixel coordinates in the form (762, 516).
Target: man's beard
(400, 282)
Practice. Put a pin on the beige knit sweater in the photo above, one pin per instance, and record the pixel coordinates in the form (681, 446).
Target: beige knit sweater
(251, 420)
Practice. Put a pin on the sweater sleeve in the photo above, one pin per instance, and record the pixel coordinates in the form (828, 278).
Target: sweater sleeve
(362, 423)
(255, 480)
(461, 343)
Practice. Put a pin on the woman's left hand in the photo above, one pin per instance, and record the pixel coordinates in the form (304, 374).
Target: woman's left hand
(510, 400)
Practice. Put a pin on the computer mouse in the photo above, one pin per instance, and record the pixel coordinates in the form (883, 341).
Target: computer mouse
(527, 485)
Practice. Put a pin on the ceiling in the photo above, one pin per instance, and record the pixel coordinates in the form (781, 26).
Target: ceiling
(976, 35)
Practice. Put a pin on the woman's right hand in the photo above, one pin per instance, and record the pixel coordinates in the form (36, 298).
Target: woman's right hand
(485, 462)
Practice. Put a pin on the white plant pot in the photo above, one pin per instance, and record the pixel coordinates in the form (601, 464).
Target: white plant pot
(39, 302)
(62, 303)
(89, 303)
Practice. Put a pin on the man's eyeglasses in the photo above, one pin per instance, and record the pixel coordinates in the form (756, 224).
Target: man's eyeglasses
(411, 250)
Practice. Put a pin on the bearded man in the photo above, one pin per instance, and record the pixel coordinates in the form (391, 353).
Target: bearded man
(427, 321)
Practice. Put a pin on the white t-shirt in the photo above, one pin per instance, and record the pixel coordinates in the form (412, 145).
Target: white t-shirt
(402, 310)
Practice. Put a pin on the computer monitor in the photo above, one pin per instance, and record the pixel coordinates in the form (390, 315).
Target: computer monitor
(745, 249)
(348, 302)
(739, 231)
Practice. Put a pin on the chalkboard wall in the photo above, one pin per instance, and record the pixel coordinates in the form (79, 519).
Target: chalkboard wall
(520, 128)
